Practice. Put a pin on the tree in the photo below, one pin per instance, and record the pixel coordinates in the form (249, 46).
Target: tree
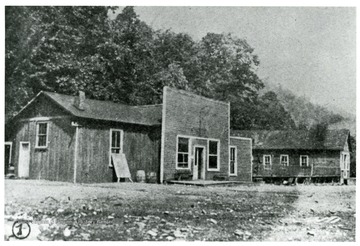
(64, 49)
(54, 49)
(273, 114)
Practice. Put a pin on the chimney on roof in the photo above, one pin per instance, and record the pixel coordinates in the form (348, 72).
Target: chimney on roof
(80, 101)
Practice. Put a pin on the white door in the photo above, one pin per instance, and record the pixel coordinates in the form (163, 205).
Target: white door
(198, 166)
(24, 160)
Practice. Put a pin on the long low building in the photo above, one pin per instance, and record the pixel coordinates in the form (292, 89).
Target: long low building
(322, 155)
(76, 139)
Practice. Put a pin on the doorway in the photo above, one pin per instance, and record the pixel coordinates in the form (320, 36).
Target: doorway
(199, 163)
(24, 160)
(8, 149)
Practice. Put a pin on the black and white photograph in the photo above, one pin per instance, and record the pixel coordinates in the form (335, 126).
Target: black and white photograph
(192, 123)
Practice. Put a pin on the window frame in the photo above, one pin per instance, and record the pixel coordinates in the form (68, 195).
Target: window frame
(307, 160)
(217, 155)
(37, 134)
(177, 153)
(235, 160)
(287, 162)
(270, 165)
(110, 142)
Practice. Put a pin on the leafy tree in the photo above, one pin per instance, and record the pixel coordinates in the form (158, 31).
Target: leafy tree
(273, 114)
(19, 36)
(65, 49)
(52, 48)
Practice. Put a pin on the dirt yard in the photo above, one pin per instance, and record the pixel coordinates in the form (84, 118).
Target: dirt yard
(136, 212)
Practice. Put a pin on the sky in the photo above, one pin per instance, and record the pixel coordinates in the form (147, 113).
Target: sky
(309, 50)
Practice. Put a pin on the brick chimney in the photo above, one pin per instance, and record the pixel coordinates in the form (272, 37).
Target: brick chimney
(80, 101)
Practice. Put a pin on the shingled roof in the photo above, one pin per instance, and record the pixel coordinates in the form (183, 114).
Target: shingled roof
(149, 115)
(296, 139)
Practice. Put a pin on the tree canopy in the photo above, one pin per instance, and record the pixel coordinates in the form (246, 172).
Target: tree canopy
(64, 49)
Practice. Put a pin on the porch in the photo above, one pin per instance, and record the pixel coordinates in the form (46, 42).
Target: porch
(209, 182)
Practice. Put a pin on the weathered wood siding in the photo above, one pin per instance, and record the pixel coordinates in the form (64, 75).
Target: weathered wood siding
(321, 164)
(326, 163)
(54, 162)
(244, 158)
(141, 147)
(192, 115)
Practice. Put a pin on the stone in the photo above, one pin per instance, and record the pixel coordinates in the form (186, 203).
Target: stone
(141, 225)
(85, 236)
(178, 233)
(213, 221)
(152, 233)
(170, 238)
(43, 227)
(311, 233)
(238, 232)
(67, 232)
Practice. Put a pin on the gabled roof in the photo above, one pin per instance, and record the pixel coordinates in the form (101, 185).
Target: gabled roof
(149, 115)
(296, 139)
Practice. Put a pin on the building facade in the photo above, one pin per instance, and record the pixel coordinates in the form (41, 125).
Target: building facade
(72, 138)
(323, 156)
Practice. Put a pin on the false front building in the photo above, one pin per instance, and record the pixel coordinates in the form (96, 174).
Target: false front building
(72, 138)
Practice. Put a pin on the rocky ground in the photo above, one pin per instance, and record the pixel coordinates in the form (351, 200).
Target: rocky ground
(137, 212)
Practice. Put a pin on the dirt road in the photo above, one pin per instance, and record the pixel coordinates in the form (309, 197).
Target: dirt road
(125, 211)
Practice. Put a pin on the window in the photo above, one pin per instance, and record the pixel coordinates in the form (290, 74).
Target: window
(284, 160)
(41, 134)
(233, 161)
(116, 142)
(213, 156)
(267, 161)
(182, 153)
(304, 160)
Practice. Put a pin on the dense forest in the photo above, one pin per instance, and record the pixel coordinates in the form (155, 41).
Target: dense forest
(122, 59)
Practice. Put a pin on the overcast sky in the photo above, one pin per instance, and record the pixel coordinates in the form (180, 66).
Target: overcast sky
(311, 51)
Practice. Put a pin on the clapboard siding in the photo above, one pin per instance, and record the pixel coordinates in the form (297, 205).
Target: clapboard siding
(324, 163)
(141, 147)
(56, 161)
(193, 115)
(244, 156)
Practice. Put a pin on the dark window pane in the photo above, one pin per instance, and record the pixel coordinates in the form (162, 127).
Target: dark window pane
(112, 139)
(213, 162)
(185, 157)
(232, 154)
(213, 147)
(42, 128)
(115, 139)
(232, 167)
(183, 145)
(42, 141)
(180, 158)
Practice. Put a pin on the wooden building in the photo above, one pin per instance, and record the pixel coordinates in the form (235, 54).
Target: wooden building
(305, 155)
(71, 138)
